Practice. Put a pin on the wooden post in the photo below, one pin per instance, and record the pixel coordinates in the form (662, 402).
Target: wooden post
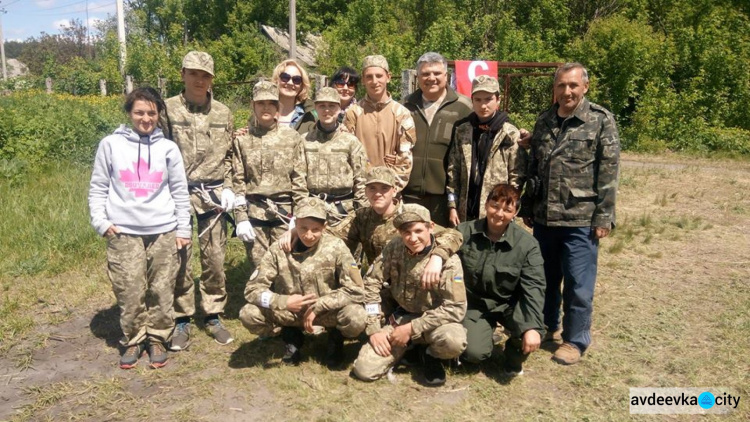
(408, 82)
(103, 87)
(162, 86)
(128, 84)
(321, 81)
(48, 83)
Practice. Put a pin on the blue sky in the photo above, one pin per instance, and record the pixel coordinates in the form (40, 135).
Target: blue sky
(29, 18)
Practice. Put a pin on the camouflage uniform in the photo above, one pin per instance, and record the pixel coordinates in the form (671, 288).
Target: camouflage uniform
(435, 314)
(384, 128)
(373, 231)
(571, 191)
(506, 162)
(142, 269)
(269, 172)
(327, 269)
(335, 166)
(203, 134)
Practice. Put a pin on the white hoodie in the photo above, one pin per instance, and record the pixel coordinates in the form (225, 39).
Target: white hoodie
(138, 184)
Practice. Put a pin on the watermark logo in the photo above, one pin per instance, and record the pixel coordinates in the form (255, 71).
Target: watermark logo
(690, 400)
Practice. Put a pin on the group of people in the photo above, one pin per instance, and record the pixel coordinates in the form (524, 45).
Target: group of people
(367, 219)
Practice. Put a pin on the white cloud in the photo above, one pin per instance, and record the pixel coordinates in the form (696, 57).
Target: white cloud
(44, 4)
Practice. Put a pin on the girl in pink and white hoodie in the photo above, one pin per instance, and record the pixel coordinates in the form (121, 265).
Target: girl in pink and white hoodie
(138, 199)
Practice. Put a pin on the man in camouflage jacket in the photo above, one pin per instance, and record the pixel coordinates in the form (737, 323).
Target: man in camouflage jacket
(570, 198)
(202, 128)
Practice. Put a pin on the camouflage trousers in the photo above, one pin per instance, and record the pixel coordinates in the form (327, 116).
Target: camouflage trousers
(264, 236)
(213, 280)
(142, 270)
(445, 342)
(350, 319)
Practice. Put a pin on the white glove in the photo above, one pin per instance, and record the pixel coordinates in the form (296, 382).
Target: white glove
(227, 200)
(245, 231)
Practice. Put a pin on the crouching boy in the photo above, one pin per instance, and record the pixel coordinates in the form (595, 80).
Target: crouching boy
(422, 316)
(316, 284)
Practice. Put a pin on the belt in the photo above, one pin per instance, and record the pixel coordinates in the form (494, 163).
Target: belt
(206, 185)
(265, 223)
(334, 198)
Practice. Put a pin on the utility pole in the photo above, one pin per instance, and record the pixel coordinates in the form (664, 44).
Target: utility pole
(121, 34)
(292, 29)
(2, 44)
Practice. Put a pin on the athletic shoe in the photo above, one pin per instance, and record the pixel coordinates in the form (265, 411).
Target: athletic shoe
(434, 372)
(130, 356)
(157, 355)
(218, 332)
(180, 337)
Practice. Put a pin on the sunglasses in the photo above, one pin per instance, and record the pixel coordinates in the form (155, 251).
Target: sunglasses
(285, 77)
(341, 84)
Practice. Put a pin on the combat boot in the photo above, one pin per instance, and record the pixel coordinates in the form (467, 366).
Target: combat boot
(334, 349)
(293, 338)
(434, 372)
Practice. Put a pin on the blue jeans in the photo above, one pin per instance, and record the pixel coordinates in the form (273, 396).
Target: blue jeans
(569, 253)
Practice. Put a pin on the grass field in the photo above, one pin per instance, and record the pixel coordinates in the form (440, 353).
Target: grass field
(672, 309)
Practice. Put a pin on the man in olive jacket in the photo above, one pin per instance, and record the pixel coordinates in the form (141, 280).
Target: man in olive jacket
(435, 107)
(575, 153)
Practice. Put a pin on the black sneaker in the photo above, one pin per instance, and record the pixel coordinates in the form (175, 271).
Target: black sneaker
(412, 356)
(130, 356)
(334, 349)
(293, 338)
(157, 355)
(434, 373)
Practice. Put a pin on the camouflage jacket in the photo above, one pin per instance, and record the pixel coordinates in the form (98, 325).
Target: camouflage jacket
(327, 269)
(204, 136)
(373, 231)
(577, 166)
(268, 163)
(384, 128)
(506, 164)
(399, 271)
(336, 166)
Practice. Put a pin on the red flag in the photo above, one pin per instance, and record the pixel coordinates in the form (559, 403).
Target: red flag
(467, 70)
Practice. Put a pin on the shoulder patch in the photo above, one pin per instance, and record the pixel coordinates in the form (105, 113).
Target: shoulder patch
(407, 123)
(458, 279)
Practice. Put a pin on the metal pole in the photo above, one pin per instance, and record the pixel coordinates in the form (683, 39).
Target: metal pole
(121, 35)
(2, 45)
(292, 29)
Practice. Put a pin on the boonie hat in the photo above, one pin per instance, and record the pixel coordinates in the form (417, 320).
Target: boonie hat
(265, 90)
(375, 61)
(485, 83)
(327, 95)
(311, 207)
(412, 213)
(199, 60)
(380, 174)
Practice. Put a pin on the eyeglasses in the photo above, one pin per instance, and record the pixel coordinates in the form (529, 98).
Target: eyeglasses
(342, 84)
(285, 77)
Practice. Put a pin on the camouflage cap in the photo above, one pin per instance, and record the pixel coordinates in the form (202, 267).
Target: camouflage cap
(199, 60)
(412, 213)
(327, 95)
(265, 90)
(311, 207)
(375, 61)
(380, 174)
(485, 83)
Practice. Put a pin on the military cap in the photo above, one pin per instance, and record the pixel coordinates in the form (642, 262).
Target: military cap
(327, 95)
(485, 83)
(311, 207)
(412, 213)
(375, 61)
(265, 90)
(199, 60)
(380, 174)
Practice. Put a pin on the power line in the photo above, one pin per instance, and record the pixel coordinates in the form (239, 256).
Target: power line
(64, 13)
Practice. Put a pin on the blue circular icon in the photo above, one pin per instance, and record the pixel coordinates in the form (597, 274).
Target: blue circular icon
(706, 400)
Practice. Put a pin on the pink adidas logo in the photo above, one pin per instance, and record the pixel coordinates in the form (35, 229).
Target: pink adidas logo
(147, 183)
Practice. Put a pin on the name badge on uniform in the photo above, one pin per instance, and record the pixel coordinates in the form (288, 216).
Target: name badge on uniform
(265, 299)
(372, 308)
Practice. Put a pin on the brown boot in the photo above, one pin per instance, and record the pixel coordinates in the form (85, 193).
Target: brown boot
(567, 354)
